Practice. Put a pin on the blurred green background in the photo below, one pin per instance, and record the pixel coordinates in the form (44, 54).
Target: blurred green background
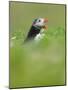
(37, 64)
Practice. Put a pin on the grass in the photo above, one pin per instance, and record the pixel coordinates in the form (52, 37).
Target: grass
(37, 64)
(40, 64)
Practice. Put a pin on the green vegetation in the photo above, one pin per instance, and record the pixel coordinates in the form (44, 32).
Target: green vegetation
(37, 64)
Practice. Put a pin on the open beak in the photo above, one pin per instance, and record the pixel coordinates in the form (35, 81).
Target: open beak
(45, 21)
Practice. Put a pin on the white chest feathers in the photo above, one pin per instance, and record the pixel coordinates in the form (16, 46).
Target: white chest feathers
(40, 36)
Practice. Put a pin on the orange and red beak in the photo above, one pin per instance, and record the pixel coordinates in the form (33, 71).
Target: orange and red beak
(45, 21)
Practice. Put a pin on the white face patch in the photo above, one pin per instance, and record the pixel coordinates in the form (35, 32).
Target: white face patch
(39, 22)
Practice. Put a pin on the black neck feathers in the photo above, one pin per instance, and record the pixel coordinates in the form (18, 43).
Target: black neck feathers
(32, 33)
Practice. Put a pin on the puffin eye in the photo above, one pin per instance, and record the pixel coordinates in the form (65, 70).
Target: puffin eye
(39, 20)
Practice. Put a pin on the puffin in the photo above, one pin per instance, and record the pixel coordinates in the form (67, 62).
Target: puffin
(36, 31)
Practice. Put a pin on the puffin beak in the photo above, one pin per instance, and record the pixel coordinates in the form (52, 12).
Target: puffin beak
(45, 20)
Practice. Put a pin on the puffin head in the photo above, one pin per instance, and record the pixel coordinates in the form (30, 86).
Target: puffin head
(36, 29)
(40, 23)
